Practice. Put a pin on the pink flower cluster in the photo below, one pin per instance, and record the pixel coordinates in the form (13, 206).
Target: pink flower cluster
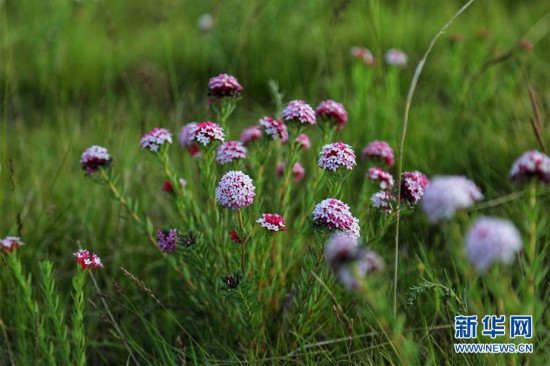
(272, 222)
(303, 141)
(251, 134)
(154, 139)
(349, 262)
(275, 129)
(413, 185)
(235, 190)
(186, 135)
(336, 155)
(298, 171)
(167, 240)
(10, 243)
(332, 111)
(334, 214)
(206, 132)
(94, 158)
(379, 150)
(231, 151)
(383, 200)
(363, 54)
(532, 164)
(385, 178)
(447, 194)
(396, 57)
(299, 111)
(490, 240)
(86, 260)
(224, 85)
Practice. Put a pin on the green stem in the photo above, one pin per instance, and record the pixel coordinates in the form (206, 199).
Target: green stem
(79, 332)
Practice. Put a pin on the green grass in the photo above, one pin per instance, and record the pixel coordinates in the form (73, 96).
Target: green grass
(75, 74)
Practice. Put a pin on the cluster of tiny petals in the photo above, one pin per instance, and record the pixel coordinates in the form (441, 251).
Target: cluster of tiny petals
(86, 260)
(298, 171)
(303, 141)
(532, 164)
(340, 248)
(396, 57)
(492, 240)
(383, 200)
(385, 178)
(186, 134)
(235, 190)
(272, 222)
(275, 129)
(95, 157)
(413, 186)
(329, 109)
(224, 85)
(299, 111)
(230, 151)
(363, 54)
(250, 134)
(379, 150)
(167, 240)
(10, 243)
(336, 155)
(154, 139)
(335, 215)
(447, 194)
(206, 132)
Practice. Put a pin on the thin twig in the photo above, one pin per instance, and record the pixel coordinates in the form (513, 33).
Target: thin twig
(410, 95)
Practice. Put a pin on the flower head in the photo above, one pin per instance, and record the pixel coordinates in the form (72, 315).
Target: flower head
(298, 171)
(154, 139)
(383, 200)
(94, 158)
(224, 85)
(363, 54)
(250, 134)
(490, 240)
(447, 194)
(233, 280)
(275, 129)
(299, 111)
(334, 214)
(303, 141)
(167, 240)
(396, 57)
(206, 23)
(86, 260)
(207, 132)
(186, 134)
(385, 178)
(235, 190)
(340, 249)
(230, 151)
(379, 150)
(413, 185)
(235, 237)
(337, 155)
(272, 222)
(532, 164)
(332, 111)
(10, 243)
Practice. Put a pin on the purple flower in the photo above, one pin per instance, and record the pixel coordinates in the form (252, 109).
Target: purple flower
(413, 185)
(10, 243)
(363, 54)
(332, 111)
(447, 194)
(383, 200)
(154, 139)
(396, 57)
(275, 129)
(303, 141)
(231, 151)
(94, 158)
(167, 240)
(385, 178)
(272, 222)
(334, 214)
(235, 190)
(337, 155)
(224, 85)
(532, 164)
(492, 240)
(206, 132)
(299, 111)
(379, 150)
(250, 134)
